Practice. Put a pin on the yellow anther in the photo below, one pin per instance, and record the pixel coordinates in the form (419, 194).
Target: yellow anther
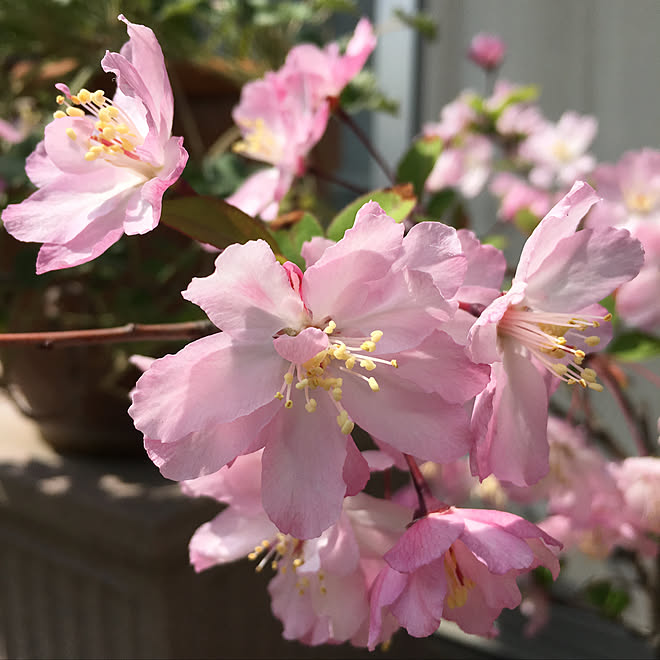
(279, 395)
(90, 155)
(100, 125)
(288, 378)
(114, 148)
(369, 346)
(59, 99)
(607, 317)
(71, 133)
(288, 404)
(98, 97)
(265, 543)
(127, 144)
(258, 549)
(323, 590)
(75, 99)
(109, 133)
(104, 115)
(302, 384)
(350, 363)
(310, 406)
(373, 384)
(113, 112)
(123, 129)
(58, 114)
(561, 341)
(367, 364)
(583, 382)
(273, 565)
(330, 328)
(579, 356)
(337, 393)
(394, 363)
(84, 96)
(589, 375)
(592, 341)
(376, 336)
(75, 112)
(560, 369)
(297, 562)
(571, 381)
(597, 387)
(347, 427)
(96, 149)
(252, 556)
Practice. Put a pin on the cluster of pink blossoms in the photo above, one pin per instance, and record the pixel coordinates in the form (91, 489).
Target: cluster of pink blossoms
(373, 334)
(404, 334)
(284, 115)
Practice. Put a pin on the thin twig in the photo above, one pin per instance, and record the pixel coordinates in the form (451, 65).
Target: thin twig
(125, 333)
(340, 113)
(331, 178)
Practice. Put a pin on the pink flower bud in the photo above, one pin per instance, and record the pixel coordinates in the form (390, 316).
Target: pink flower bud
(487, 51)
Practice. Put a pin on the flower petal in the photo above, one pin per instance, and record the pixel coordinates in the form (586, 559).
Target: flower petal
(248, 296)
(302, 483)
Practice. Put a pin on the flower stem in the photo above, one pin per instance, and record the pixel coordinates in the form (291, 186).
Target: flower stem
(421, 487)
(362, 136)
(124, 333)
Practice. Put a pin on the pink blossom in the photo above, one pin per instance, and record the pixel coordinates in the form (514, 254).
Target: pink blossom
(558, 152)
(104, 165)
(280, 122)
(487, 50)
(9, 132)
(320, 586)
(517, 195)
(541, 330)
(631, 199)
(520, 119)
(295, 368)
(638, 478)
(326, 70)
(637, 301)
(466, 167)
(455, 118)
(460, 565)
(284, 115)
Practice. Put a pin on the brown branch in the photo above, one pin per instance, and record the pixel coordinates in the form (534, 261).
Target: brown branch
(125, 333)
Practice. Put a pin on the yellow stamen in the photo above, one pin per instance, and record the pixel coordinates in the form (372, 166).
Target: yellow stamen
(59, 114)
(75, 112)
(71, 133)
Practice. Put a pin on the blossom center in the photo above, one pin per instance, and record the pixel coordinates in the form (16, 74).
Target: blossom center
(258, 141)
(639, 202)
(115, 137)
(458, 584)
(323, 371)
(285, 552)
(561, 151)
(543, 334)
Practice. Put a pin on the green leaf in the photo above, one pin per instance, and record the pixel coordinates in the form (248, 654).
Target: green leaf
(397, 202)
(526, 221)
(213, 221)
(634, 346)
(421, 22)
(442, 204)
(418, 162)
(610, 600)
(291, 238)
(363, 93)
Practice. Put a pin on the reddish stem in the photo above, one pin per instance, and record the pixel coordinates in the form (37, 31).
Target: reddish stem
(421, 487)
(124, 333)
